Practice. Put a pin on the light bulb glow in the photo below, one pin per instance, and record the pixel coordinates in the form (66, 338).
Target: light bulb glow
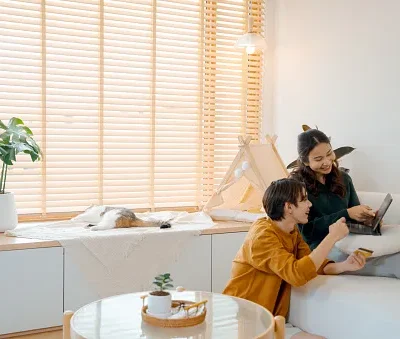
(250, 49)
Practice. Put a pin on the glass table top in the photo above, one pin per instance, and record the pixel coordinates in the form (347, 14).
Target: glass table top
(120, 317)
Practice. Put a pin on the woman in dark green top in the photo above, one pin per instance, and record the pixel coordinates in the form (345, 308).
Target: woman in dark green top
(333, 196)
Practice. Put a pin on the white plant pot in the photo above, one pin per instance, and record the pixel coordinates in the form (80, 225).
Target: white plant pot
(8, 212)
(159, 305)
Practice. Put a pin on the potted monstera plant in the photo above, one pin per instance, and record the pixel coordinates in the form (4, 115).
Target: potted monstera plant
(15, 138)
(159, 301)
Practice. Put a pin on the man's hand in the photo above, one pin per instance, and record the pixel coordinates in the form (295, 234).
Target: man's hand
(354, 262)
(361, 213)
(339, 229)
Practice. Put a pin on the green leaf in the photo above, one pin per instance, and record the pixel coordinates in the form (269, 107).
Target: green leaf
(7, 160)
(5, 137)
(15, 139)
(34, 156)
(342, 151)
(27, 130)
(168, 285)
(293, 164)
(22, 147)
(14, 122)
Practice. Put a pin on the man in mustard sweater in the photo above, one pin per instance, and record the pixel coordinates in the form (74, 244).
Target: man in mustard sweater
(275, 257)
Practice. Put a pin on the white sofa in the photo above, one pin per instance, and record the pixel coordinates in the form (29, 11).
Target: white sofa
(351, 307)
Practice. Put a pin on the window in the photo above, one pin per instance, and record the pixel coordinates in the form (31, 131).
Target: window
(135, 103)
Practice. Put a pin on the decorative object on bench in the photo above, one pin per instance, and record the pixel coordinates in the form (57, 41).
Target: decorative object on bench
(339, 152)
(15, 138)
(255, 166)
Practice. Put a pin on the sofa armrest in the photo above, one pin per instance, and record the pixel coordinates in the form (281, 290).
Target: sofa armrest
(346, 306)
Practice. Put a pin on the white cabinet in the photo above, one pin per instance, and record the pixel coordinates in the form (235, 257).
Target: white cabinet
(33, 282)
(224, 249)
(77, 290)
(31, 288)
(192, 270)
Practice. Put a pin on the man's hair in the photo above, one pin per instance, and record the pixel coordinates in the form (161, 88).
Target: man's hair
(280, 192)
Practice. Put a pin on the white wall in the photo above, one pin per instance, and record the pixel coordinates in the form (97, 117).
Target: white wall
(336, 64)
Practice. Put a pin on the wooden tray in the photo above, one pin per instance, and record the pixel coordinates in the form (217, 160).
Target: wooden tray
(181, 322)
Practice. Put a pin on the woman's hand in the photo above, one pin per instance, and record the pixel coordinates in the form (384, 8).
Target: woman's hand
(354, 262)
(361, 213)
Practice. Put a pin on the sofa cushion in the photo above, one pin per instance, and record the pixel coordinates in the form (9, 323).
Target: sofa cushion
(346, 306)
(387, 243)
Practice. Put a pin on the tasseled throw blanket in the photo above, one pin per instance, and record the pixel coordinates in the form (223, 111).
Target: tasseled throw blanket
(126, 259)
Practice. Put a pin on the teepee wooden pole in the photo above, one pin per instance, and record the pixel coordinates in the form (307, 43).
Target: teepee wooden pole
(272, 141)
(254, 167)
(233, 165)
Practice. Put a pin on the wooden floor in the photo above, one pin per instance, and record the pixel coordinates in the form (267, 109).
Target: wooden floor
(44, 335)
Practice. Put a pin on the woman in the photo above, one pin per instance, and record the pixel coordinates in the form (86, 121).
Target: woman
(333, 196)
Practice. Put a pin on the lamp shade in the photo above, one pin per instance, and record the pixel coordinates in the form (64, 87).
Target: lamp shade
(252, 42)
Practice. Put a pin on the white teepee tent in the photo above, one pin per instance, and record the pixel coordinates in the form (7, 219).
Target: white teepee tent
(253, 169)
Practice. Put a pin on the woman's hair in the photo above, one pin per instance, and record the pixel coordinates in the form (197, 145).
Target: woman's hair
(306, 142)
(280, 192)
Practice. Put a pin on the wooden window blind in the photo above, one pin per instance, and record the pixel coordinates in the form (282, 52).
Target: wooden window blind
(134, 103)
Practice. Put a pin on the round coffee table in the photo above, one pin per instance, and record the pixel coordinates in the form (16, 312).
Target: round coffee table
(120, 317)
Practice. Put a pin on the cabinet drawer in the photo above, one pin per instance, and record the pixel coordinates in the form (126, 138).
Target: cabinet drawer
(31, 288)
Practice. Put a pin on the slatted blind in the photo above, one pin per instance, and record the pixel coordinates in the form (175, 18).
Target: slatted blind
(21, 91)
(134, 103)
(232, 97)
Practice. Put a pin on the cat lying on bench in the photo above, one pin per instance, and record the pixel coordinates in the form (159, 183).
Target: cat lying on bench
(117, 217)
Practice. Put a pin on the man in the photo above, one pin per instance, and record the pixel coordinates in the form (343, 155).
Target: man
(274, 256)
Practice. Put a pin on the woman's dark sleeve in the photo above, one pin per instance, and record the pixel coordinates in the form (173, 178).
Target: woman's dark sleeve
(353, 197)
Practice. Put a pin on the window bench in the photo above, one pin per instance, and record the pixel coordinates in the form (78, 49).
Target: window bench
(39, 281)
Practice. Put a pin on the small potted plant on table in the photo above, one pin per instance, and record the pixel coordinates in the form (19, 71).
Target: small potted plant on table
(159, 301)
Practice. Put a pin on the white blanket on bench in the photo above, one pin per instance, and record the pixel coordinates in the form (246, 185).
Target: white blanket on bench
(122, 260)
